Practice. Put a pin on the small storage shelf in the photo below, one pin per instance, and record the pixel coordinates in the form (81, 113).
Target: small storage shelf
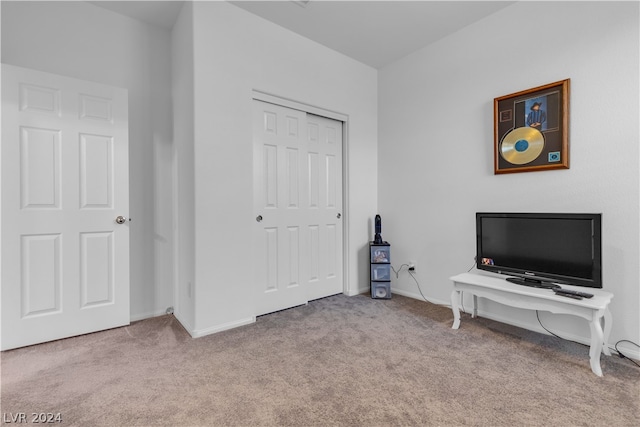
(380, 272)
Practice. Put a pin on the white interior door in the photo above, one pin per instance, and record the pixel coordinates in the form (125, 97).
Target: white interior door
(298, 205)
(324, 207)
(65, 258)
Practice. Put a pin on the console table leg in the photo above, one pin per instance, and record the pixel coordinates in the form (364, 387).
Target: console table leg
(475, 306)
(607, 331)
(455, 298)
(597, 339)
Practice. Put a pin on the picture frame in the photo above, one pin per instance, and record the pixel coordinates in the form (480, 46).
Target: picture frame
(531, 129)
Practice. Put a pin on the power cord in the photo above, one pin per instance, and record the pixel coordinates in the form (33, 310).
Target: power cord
(557, 336)
(410, 271)
(462, 299)
(472, 265)
(420, 290)
(620, 354)
(624, 356)
(397, 273)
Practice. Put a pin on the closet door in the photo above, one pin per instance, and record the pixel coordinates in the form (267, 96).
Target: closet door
(298, 202)
(324, 207)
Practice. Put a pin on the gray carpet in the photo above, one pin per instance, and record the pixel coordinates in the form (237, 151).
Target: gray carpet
(337, 361)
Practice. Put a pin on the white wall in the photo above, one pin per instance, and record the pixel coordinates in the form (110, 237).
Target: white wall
(182, 75)
(234, 53)
(436, 146)
(435, 106)
(84, 41)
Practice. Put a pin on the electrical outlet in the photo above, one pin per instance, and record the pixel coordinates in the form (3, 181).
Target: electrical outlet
(412, 266)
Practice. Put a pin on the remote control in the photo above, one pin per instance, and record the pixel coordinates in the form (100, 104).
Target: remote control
(569, 291)
(568, 294)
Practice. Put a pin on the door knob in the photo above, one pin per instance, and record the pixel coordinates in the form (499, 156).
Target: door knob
(339, 216)
(259, 218)
(120, 219)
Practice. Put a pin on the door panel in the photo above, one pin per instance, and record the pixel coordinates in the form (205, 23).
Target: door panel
(96, 171)
(279, 147)
(39, 168)
(324, 215)
(297, 197)
(65, 262)
(96, 267)
(40, 284)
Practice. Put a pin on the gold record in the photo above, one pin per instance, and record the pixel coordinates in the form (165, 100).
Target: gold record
(522, 145)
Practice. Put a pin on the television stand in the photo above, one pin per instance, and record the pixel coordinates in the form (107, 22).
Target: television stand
(595, 310)
(532, 283)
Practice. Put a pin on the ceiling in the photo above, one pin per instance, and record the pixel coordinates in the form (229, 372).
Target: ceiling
(162, 13)
(376, 33)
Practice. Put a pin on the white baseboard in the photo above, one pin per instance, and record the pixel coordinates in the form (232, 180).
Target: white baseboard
(419, 297)
(628, 351)
(147, 315)
(357, 292)
(197, 333)
(186, 325)
(631, 352)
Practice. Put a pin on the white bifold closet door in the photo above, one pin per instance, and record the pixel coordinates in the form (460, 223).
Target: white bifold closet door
(298, 206)
(65, 180)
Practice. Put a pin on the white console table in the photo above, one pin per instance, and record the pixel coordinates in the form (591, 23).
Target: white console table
(595, 310)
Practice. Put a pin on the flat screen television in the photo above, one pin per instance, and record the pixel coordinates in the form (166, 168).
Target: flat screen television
(541, 249)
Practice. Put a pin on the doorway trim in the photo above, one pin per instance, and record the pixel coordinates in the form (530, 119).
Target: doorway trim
(344, 118)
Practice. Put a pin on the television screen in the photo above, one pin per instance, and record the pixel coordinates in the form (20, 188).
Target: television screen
(541, 248)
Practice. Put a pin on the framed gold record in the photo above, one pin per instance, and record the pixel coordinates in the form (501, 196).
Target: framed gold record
(522, 145)
(531, 129)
